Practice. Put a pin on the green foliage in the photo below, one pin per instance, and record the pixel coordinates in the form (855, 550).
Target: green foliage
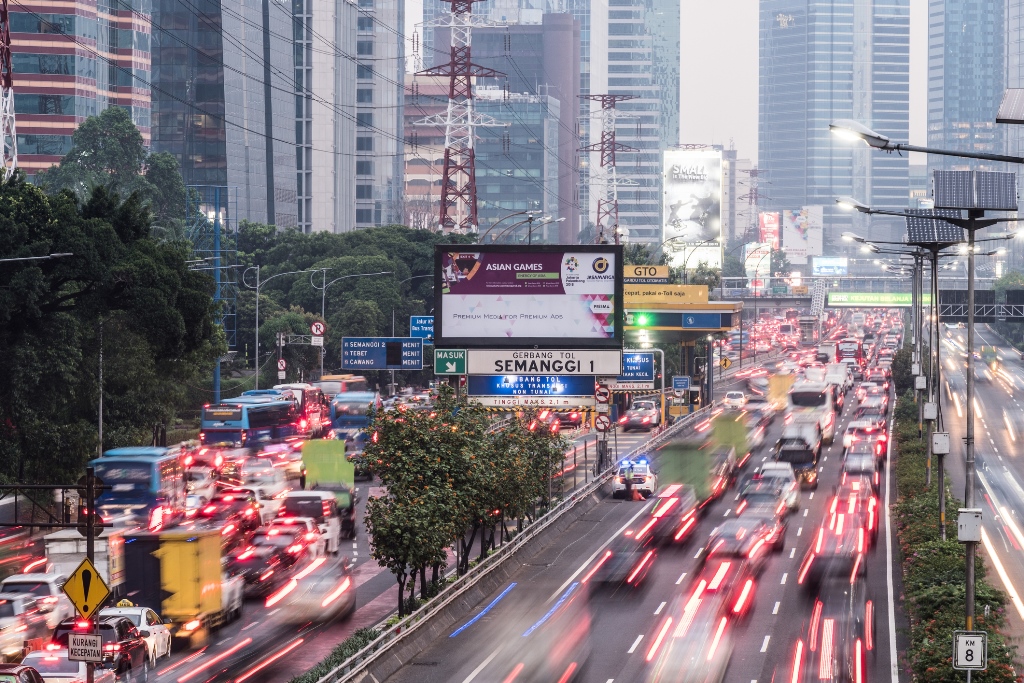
(705, 275)
(636, 254)
(155, 317)
(934, 571)
(779, 263)
(348, 647)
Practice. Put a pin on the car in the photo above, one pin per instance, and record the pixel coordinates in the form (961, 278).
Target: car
(238, 506)
(800, 447)
(698, 641)
(746, 538)
(837, 549)
(734, 399)
(862, 430)
(783, 471)
(286, 455)
(292, 543)
(864, 387)
(264, 568)
(641, 415)
(875, 448)
(158, 642)
(857, 496)
(261, 475)
(876, 391)
(124, 650)
(52, 666)
(319, 594)
(639, 472)
(625, 562)
(257, 498)
(862, 464)
(20, 620)
(840, 636)
(571, 418)
(201, 481)
(872, 410)
(674, 516)
(48, 591)
(304, 525)
(332, 511)
(761, 406)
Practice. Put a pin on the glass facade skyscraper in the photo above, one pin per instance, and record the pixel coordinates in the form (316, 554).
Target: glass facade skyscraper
(968, 67)
(822, 60)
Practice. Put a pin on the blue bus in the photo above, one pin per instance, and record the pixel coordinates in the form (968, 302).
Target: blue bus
(147, 486)
(350, 416)
(248, 420)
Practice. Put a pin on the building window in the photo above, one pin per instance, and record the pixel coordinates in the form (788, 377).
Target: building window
(366, 4)
(364, 191)
(364, 215)
(364, 144)
(364, 71)
(364, 167)
(364, 119)
(364, 95)
(364, 23)
(364, 47)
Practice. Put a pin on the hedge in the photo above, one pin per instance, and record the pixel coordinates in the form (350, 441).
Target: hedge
(934, 570)
(348, 647)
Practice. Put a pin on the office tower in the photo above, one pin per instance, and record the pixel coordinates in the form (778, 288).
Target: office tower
(634, 51)
(822, 60)
(59, 81)
(737, 213)
(224, 101)
(968, 67)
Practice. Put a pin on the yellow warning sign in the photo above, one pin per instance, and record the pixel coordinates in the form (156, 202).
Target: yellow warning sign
(86, 589)
(725, 363)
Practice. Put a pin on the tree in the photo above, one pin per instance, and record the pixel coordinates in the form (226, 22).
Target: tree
(635, 254)
(122, 292)
(733, 267)
(106, 150)
(167, 188)
(705, 275)
(779, 262)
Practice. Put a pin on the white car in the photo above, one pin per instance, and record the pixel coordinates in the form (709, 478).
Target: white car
(47, 589)
(232, 593)
(263, 474)
(734, 399)
(55, 667)
(158, 642)
(308, 526)
(639, 471)
(784, 471)
(20, 620)
(201, 481)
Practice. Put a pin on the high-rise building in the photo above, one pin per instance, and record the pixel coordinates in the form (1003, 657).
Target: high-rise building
(634, 50)
(224, 101)
(737, 211)
(968, 66)
(72, 61)
(822, 60)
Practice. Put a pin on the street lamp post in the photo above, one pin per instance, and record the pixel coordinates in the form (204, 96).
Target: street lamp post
(35, 258)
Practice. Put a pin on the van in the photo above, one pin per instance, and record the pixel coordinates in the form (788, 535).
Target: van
(324, 509)
(812, 402)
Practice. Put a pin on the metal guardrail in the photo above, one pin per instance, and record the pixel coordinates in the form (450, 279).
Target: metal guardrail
(357, 664)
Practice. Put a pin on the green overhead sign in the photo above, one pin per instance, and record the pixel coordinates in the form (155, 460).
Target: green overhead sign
(871, 299)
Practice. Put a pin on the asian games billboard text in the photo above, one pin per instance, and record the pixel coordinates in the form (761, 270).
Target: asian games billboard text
(692, 207)
(498, 295)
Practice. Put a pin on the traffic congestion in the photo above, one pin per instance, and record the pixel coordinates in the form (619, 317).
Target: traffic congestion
(228, 555)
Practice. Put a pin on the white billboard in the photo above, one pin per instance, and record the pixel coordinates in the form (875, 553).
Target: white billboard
(830, 265)
(692, 207)
(757, 260)
(802, 233)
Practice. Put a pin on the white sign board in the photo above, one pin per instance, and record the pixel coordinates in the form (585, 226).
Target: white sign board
(540, 361)
(533, 401)
(85, 647)
(316, 341)
(630, 386)
(970, 650)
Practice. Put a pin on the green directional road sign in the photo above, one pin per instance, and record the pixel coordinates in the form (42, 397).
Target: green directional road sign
(449, 361)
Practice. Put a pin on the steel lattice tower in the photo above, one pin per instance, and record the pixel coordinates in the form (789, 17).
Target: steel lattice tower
(608, 201)
(458, 186)
(8, 130)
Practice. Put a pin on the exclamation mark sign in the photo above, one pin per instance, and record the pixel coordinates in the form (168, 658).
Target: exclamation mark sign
(86, 582)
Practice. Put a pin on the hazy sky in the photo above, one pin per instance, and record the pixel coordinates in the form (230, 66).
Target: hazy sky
(719, 73)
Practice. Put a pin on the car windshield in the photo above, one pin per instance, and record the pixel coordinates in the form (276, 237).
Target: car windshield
(50, 665)
(796, 456)
(734, 394)
(643, 405)
(36, 588)
(859, 463)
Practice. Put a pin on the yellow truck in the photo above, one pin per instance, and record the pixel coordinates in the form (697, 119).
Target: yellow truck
(178, 574)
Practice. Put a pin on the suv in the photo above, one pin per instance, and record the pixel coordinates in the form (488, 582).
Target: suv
(48, 591)
(124, 650)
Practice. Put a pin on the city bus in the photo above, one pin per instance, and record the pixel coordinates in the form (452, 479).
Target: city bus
(850, 347)
(332, 385)
(350, 416)
(147, 485)
(808, 325)
(247, 421)
(313, 408)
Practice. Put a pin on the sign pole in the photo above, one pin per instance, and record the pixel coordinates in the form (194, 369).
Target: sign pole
(90, 543)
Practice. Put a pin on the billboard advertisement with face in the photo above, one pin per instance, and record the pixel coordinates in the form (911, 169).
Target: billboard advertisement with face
(692, 207)
(524, 296)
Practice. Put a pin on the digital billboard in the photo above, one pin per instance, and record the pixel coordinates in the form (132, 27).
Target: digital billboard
(830, 265)
(547, 296)
(692, 207)
(768, 221)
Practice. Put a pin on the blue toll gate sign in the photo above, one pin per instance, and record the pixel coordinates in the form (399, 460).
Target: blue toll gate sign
(681, 383)
(422, 327)
(637, 367)
(382, 353)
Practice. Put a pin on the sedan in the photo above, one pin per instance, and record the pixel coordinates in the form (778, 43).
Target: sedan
(158, 642)
(734, 399)
(641, 415)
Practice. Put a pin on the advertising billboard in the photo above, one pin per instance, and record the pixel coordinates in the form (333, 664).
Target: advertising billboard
(873, 299)
(548, 296)
(794, 236)
(830, 265)
(757, 260)
(814, 217)
(692, 207)
(769, 227)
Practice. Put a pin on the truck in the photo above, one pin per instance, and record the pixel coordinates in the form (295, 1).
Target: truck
(178, 574)
(708, 468)
(800, 446)
(65, 550)
(827, 352)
